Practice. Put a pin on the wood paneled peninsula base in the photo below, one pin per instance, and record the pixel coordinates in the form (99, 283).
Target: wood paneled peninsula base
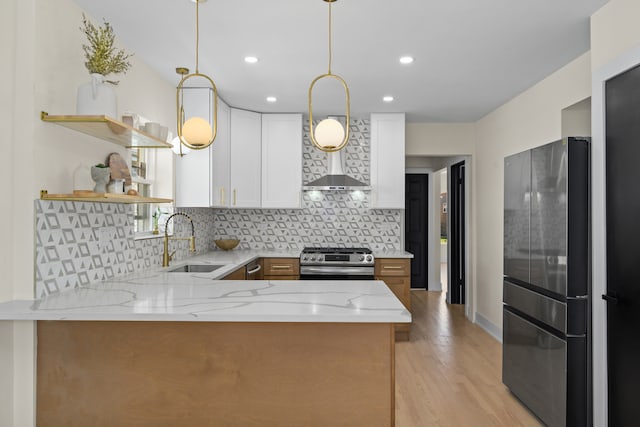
(158, 348)
(111, 373)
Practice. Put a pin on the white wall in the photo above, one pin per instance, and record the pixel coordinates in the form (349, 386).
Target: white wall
(614, 30)
(531, 119)
(439, 139)
(576, 119)
(41, 43)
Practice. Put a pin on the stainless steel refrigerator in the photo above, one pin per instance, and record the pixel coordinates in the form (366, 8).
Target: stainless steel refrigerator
(546, 312)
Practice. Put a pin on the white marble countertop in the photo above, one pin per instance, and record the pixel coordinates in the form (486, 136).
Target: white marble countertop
(234, 259)
(196, 297)
(392, 254)
(160, 295)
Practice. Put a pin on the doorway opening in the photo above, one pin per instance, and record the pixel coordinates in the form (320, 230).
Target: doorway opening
(444, 229)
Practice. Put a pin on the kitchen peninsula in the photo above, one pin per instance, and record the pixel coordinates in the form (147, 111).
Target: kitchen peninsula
(161, 348)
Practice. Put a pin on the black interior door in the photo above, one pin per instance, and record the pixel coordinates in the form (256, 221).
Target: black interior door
(457, 234)
(416, 216)
(623, 245)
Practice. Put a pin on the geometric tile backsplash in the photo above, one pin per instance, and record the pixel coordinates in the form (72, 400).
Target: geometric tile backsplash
(82, 242)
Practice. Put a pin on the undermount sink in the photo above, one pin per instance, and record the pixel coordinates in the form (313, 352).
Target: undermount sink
(195, 268)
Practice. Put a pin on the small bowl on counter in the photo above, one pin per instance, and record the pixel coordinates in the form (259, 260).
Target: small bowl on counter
(226, 244)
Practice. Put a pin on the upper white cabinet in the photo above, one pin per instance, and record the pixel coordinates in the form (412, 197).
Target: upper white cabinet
(246, 159)
(193, 179)
(281, 160)
(387, 160)
(255, 161)
(220, 160)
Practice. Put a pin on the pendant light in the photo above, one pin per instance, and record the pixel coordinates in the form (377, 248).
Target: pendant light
(196, 133)
(329, 135)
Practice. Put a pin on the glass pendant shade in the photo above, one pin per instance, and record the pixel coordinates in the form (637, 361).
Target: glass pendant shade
(329, 133)
(196, 131)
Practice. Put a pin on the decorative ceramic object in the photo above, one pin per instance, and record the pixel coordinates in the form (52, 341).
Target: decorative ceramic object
(101, 176)
(97, 97)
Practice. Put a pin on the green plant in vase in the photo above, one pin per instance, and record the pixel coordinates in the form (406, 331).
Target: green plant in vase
(101, 59)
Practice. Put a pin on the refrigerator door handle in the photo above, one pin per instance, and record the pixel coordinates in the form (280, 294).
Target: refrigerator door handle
(611, 296)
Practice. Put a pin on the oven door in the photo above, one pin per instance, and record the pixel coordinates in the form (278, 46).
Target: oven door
(328, 272)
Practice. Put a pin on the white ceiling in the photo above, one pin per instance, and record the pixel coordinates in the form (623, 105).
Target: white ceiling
(471, 56)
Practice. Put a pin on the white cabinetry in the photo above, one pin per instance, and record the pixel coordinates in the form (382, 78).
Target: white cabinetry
(387, 160)
(281, 160)
(220, 159)
(193, 179)
(246, 159)
(255, 161)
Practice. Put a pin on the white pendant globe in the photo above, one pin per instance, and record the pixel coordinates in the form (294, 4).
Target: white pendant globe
(329, 133)
(196, 131)
(175, 142)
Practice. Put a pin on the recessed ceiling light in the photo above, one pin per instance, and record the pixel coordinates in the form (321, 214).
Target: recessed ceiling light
(387, 98)
(271, 99)
(250, 59)
(406, 59)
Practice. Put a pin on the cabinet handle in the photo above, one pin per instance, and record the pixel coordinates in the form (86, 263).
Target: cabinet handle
(221, 196)
(255, 270)
(234, 197)
(392, 267)
(281, 267)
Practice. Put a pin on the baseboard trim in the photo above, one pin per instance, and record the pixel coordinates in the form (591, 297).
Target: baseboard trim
(489, 327)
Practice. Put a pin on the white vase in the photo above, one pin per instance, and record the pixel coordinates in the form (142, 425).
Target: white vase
(96, 98)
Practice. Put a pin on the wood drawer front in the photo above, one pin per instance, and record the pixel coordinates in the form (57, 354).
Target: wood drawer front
(393, 267)
(401, 288)
(281, 267)
(238, 274)
(281, 277)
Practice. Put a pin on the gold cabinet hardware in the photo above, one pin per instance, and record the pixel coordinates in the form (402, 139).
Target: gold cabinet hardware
(234, 197)
(392, 267)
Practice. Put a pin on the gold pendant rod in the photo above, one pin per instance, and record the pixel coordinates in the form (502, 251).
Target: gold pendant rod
(197, 32)
(329, 39)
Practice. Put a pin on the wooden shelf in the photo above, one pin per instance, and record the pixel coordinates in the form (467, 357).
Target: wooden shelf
(107, 129)
(101, 198)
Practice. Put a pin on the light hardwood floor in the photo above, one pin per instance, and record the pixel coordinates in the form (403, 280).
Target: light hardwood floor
(449, 373)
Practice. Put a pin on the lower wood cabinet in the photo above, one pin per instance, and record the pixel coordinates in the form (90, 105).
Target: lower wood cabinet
(281, 268)
(238, 274)
(396, 274)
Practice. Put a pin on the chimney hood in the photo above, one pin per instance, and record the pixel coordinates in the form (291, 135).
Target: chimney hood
(336, 179)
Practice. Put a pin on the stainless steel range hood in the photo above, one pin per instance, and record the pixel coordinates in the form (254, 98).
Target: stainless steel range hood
(336, 179)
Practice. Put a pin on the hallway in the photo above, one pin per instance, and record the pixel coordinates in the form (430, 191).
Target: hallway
(449, 374)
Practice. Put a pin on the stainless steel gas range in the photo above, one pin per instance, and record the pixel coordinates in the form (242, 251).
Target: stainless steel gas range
(318, 263)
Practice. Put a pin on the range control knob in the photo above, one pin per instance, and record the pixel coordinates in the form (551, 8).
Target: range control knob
(369, 258)
(313, 258)
(304, 258)
(361, 257)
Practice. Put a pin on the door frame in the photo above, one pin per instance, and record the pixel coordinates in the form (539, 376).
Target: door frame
(620, 64)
